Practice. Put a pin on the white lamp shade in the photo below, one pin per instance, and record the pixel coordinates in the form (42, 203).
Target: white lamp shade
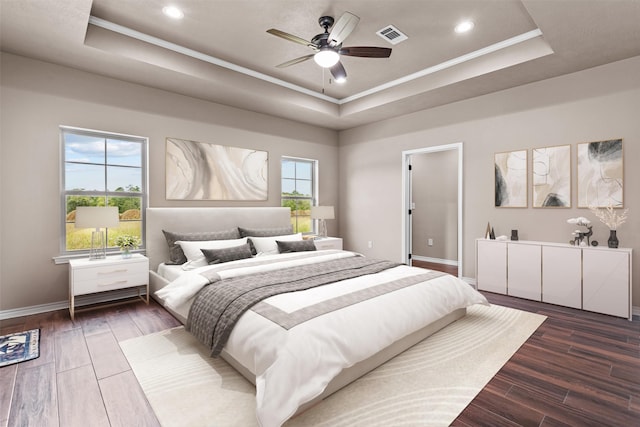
(97, 217)
(326, 58)
(322, 212)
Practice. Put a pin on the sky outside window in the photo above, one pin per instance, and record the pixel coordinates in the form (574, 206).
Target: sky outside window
(87, 156)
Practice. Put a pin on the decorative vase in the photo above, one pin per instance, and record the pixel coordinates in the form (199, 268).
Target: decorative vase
(126, 252)
(613, 239)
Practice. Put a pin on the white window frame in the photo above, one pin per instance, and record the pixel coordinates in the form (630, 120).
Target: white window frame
(65, 255)
(314, 186)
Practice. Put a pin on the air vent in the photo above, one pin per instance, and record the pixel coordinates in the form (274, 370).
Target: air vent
(392, 34)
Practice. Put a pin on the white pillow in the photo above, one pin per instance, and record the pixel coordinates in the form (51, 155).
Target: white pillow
(195, 257)
(268, 245)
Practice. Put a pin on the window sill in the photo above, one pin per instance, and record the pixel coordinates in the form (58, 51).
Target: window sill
(64, 259)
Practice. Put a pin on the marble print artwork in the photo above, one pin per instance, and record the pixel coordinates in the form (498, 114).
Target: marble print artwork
(203, 171)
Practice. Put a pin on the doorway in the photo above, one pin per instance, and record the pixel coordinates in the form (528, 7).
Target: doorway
(432, 206)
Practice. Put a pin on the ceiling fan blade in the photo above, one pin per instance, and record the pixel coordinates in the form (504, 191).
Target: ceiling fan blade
(291, 38)
(341, 30)
(295, 61)
(366, 51)
(338, 72)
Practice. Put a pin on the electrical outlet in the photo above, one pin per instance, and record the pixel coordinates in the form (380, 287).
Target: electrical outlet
(370, 244)
(430, 242)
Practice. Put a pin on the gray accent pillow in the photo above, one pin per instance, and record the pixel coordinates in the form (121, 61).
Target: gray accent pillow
(264, 232)
(296, 246)
(176, 255)
(218, 256)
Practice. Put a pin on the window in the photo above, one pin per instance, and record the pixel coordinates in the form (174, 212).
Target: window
(102, 169)
(299, 191)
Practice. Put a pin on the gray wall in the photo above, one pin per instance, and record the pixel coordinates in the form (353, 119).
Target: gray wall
(37, 97)
(597, 104)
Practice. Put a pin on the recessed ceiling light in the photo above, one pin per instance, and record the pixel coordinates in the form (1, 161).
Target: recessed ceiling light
(173, 12)
(464, 26)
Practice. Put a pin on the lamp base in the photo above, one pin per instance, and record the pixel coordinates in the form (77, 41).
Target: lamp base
(322, 225)
(98, 249)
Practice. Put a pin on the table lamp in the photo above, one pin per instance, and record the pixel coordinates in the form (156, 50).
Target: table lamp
(97, 217)
(322, 213)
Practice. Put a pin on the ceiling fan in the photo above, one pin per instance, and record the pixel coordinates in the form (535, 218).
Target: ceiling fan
(327, 46)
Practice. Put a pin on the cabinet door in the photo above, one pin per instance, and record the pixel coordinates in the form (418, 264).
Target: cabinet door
(562, 276)
(524, 276)
(491, 266)
(605, 281)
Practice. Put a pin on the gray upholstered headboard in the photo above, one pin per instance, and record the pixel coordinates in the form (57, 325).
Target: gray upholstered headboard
(204, 219)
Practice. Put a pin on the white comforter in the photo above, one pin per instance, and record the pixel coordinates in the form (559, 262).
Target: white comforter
(294, 366)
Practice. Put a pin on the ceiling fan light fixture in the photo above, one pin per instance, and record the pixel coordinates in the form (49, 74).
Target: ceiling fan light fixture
(326, 58)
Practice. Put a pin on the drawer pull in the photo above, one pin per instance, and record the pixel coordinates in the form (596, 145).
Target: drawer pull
(119, 282)
(124, 270)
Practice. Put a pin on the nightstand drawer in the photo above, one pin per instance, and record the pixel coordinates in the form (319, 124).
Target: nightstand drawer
(328, 243)
(109, 272)
(115, 279)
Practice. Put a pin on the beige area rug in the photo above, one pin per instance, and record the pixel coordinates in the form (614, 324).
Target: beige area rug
(427, 385)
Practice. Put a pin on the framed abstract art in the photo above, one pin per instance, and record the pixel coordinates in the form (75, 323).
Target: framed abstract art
(511, 179)
(551, 177)
(601, 174)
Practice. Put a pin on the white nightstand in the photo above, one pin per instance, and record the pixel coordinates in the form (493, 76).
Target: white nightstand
(109, 274)
(328, 243)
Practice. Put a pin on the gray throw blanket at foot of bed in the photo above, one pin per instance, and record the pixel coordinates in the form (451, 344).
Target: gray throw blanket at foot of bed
(218, 306)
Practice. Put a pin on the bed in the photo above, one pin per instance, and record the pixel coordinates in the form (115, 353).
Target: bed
(299, 347)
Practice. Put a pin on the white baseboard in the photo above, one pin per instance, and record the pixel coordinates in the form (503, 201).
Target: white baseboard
(435, 260)
(81, 300)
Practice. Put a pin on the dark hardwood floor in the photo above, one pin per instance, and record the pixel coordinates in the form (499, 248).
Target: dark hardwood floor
(577, 369)
(451, 269)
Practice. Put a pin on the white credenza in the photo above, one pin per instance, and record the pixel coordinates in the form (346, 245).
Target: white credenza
(590, 278)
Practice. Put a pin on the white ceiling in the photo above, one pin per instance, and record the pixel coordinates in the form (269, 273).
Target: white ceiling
(221, 51)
